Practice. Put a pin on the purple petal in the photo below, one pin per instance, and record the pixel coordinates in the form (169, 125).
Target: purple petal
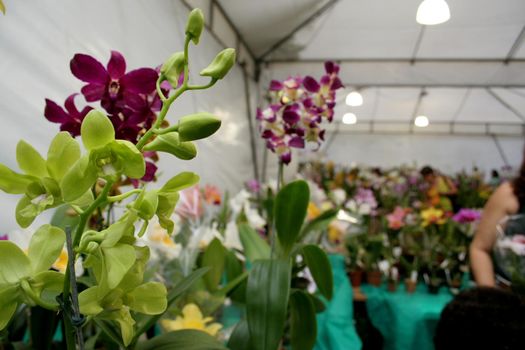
(84, 112)
(336, 84)
(331, 67)
(93, 92)
(116, 65)
(134, 101)
(276, 85)
(73, 127)
(325, 80)
(311, 84)
(88, 69)
(296, 142)
(286, 158)
(140, 81)
(266, 134)
(307, 102)
(291, 117)
(151, 169)
(70, 105)
(54, 113)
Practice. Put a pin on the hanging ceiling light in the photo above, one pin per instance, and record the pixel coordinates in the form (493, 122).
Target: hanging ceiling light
(421, 121)
(432, 12)
(354, 99)
(349, 118)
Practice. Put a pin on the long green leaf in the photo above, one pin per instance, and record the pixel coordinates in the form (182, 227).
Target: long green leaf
(187, 339)
(320, 223)
(303, 323)
(43, 326)
(267, 301)
(214, 258)
(146, 322)
(240, 337)
(255, 247)
(319, 265)
(290, 211)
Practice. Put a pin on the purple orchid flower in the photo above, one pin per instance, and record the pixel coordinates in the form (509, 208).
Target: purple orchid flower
(466, 215)
(253, 186)
(69, 119)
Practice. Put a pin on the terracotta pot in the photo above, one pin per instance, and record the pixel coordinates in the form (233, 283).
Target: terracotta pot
(374, 277)
(392, 286)
(356, 277)
(410, 285)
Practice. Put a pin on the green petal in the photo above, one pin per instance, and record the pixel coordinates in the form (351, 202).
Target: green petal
(29, 160)
(135, 275)
(48, 285)
(167, 203)
(26, 212)
(96, 130)
(170, 143)
(179, 182)
(172, 68)
(63, 152)
(148, 298)
(149, 205)
(8, 304)
(195, 25)
(119, 259)
(14, 264)
(79, 179)
(130, 159)
(45, 247)
(14, 183)
(85, 200)
(89, 301)
(197, 126)
(126, 323)
(114, 233)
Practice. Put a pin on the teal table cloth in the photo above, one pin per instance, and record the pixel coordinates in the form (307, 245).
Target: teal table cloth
(335, 326)
(406, 321)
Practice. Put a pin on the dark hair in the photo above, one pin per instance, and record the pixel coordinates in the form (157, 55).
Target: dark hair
(427, 170)
(482, 318)
(518, 185)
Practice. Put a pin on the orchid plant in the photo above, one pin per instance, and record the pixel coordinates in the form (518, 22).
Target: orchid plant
(113, 297)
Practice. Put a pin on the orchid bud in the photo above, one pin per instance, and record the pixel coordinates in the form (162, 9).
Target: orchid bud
(170, 143)
(221, 64)
(197, 126)
(195, 25)
(172, 68)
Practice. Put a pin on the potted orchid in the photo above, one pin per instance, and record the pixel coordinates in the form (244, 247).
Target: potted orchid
(113, 304)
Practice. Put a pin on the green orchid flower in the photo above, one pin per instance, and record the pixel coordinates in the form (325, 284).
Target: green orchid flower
(40, 183)
(106, 158)
(26, 279)
(130, 295)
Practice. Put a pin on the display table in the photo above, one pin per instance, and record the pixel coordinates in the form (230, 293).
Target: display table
(406, 321)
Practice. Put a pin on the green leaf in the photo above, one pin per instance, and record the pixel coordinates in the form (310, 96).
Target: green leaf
(187, 339)
(195, 25)
(148, 298)
(29, 160)
(8, 304)
(172, 68)
(268, 290)
(320, 223)
(240, 337)
(45, 247)
(96, 130)
(13, 183)
(2, 9)
(180, 181)
(303, 324)
(119, 259)
(89, 301)
(25, 212)
(319, 265)
(170, 143)
(214, 258)
(78, 180)
(221, 64)
(146, 322)
(43, 325)
(197, 126)
(130, 158)
(255, 247)
(63, 152)
(290, 211)
(14, 264)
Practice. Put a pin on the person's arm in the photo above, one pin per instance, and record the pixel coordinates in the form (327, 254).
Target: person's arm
(500, 204)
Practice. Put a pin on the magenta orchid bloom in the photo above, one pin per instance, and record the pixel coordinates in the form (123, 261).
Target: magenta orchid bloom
(465, 216)
(4, 237)
(70, 118)
(299, 105)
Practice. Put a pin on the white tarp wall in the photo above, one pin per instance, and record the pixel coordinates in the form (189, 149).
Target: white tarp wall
(37, 40)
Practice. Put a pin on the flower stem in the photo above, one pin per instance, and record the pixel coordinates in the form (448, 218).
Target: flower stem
(159, 91)
(76, 317)
(123, 196)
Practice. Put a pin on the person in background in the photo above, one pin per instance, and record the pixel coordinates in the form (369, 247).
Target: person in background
(495, 179)
(482, 318)
(441, 189)
(507, 199)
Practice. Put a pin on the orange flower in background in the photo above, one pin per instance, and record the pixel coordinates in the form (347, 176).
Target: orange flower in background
(433, 216)
(212, 195)
(335, 234)
(312, 211)
(61, 263)
(396, 219)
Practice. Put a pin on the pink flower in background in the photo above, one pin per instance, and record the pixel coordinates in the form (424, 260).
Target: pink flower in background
(465, 216)
(4, 237)
(212, 195)
(298, 107)
(396, 218)
(253, 186)
(366, 196)
(190, 204)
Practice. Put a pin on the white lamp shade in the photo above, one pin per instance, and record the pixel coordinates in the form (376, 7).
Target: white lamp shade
(354, 99)
(349, 118)
(432, 12)
(421, 121)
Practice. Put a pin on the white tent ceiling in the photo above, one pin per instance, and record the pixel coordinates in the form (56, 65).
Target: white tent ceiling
(472, 67)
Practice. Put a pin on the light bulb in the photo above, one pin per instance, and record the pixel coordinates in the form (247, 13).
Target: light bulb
(354, 99)
(421, 121)
(432, 12)
(349, 118)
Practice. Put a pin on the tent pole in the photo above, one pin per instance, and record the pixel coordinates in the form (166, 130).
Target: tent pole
(500, 150)
(506, 105)
(250, 122)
